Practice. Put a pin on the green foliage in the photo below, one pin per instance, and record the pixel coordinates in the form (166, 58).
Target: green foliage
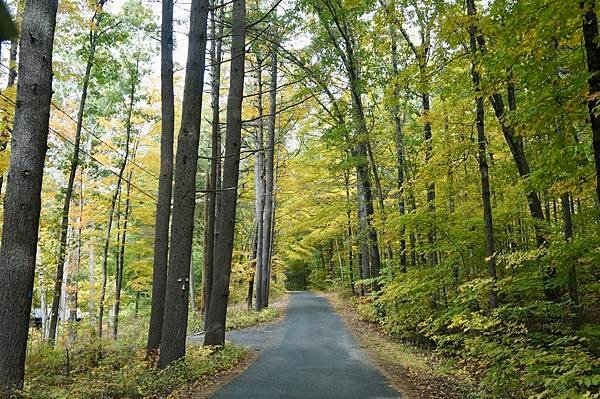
(117, 369)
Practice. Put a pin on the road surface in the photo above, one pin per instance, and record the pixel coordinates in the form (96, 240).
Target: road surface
(310, 354)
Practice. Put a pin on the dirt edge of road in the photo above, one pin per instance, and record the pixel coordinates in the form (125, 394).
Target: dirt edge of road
(414, 375)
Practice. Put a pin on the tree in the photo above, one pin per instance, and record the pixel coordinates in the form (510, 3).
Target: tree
(94, 33)
(174, 331)
(165, 185)
(134, 80)
(22, 200)
(592, 51)
(215, 333)
(215, 142)
(482, 157)
(269, 189)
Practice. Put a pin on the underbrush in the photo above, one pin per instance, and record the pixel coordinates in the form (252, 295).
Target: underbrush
(117, 369)
(238, 317)
(522, 349)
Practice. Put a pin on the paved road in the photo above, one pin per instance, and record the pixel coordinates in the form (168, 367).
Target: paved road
(310, 354)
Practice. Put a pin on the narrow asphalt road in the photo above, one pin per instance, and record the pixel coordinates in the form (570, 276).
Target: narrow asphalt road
(310, 354)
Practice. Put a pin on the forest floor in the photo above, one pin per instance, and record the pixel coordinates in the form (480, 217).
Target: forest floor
(415, 373)
(91, 368)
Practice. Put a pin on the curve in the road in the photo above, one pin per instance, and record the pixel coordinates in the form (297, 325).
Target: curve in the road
(310, 354)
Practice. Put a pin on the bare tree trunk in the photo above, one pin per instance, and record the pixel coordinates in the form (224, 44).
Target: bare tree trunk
(253, 244)
(23, 192)
(269, 182)
(260, 193)
(215, 334)
(482, 159)
(121, 262)
(62, 246)
(211, 195)
(399, 141)
(192, 284)
(165, 182)
(592, 51)
(128, 127)
(92, 280)
(174, 331)
(572, 274)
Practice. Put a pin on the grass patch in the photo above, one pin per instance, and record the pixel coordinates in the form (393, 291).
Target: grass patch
(118, 370)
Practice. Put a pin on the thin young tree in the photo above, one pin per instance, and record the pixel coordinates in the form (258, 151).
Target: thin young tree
(93, 35)
(22, 203)
(134, 81)
(215, 333)
(482, 156)
(174, 328)
(165, 182)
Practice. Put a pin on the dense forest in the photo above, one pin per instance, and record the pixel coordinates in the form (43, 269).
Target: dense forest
(172, 167)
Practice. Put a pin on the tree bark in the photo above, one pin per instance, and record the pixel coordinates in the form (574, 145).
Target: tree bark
(482, 158)
(259, 192)
(174, 331)
(165, 182)
(399, 141)
(215, 334)
(211, 195)
(121, 262)
(64, 225)
(269, 182)
(23, 192)
(572, 273)
(592, 51)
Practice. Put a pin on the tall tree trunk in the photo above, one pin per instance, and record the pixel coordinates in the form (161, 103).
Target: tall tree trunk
(592, 51)
(211, 195)
(515, 143)
(121, 263)
(259, 192)
(192, 284)
(165, 181)
(174, 330)
(572, 274)
(62, 245)
(23, 192)
(427, 133)
(253, 244)
(128, 127)
(92, 280)
(215, 334)
(482, 159)
(399, 141)
(269, 182)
